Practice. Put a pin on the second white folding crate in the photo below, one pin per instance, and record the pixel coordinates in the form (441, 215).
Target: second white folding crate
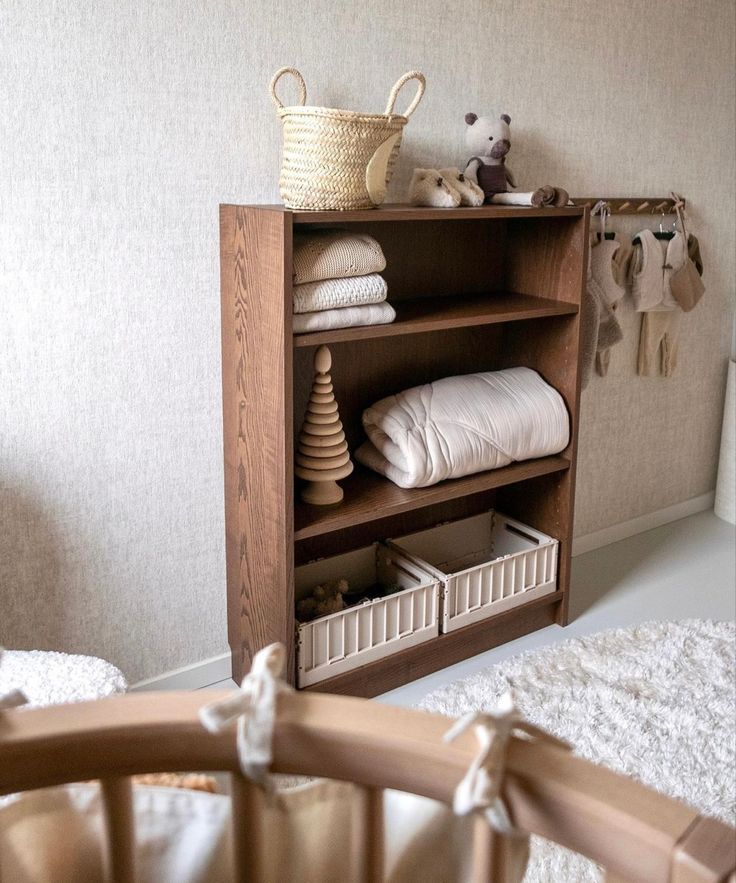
(485, 564)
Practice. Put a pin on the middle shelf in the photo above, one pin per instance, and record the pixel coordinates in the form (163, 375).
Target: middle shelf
(369, 496)
(423, 314)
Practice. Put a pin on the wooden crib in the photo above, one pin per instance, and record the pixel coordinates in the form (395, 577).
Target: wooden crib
(636, 834)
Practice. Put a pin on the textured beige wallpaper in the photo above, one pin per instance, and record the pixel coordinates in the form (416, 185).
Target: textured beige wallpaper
(122, 126)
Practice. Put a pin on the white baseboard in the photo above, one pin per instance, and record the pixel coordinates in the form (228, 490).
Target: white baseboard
(600, 538)
(190, 677)
(212, 671)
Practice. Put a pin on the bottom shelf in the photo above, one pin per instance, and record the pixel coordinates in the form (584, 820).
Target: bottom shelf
(415, 662)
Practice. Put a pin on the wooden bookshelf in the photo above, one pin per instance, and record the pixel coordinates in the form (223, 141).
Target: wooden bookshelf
(474, 290)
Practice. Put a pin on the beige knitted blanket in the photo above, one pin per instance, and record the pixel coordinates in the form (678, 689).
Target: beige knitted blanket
(335, 254)
(330, 294)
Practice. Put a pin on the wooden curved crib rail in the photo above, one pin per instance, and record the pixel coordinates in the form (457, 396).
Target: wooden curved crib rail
(636, 834)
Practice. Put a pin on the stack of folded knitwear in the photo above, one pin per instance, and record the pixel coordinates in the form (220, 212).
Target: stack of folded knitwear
(337, 282)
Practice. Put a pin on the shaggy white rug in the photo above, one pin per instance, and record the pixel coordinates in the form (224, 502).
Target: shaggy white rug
(656, 701)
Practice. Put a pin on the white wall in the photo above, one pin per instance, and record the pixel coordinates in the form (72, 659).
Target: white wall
(123, 124)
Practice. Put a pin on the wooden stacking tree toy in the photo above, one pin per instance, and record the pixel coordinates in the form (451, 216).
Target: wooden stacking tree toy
(322, 453)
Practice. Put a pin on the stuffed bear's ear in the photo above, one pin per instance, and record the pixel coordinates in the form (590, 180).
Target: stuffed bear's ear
(470, 118)
(506, 118)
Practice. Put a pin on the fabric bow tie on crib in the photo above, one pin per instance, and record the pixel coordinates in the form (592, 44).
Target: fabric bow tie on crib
(480, 788)
(254, 709)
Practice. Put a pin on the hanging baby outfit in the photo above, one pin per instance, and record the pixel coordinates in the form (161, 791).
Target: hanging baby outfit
(665, 281)
(600, 327)
(651, 268)
(606, 271)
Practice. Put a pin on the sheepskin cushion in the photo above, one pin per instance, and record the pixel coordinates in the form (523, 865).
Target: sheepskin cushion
(48, 678)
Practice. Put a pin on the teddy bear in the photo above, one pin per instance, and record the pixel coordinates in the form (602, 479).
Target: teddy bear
(470, 193)
(326, 598)
(489, 141)
(428, 187)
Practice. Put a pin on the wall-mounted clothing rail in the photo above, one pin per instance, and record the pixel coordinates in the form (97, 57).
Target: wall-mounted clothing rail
(631, 205)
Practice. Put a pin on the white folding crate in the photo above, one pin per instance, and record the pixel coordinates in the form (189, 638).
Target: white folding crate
(365, 632)
(486, 564)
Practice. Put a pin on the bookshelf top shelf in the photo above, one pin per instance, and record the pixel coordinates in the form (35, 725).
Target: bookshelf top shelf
(406, 212)
(450, 311)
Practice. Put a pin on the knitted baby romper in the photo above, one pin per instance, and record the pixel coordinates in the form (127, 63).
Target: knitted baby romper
(659, 342)
(600, 327)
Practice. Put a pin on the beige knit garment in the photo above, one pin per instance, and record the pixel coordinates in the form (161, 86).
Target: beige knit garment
(345, 317)
(330, 294)
(335, 254)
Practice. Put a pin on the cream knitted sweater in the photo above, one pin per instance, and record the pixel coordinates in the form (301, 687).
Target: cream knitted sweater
(335, 254)
(330, 294)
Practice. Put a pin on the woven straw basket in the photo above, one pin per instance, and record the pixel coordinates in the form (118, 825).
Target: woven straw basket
(339, 159)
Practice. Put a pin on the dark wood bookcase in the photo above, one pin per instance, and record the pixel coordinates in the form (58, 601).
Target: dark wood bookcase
(475, 289)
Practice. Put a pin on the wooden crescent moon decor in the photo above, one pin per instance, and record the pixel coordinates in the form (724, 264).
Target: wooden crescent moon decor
(322, 455)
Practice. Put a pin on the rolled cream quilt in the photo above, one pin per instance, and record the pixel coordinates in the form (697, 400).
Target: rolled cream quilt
(335, 254)
(462, 425)
(330, 294)
(345, 317)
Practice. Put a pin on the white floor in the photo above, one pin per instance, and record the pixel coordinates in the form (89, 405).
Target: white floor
(682, 570)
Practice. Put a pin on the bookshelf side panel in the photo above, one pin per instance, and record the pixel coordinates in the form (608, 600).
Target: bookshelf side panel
(257, 421)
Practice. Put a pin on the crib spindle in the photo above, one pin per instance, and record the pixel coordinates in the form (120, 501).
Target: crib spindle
(247, 835)
(117, 800)
(486, 854)
(372, 841)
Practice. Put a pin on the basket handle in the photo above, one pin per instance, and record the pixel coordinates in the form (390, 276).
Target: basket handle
(411, 75)
(300, 81)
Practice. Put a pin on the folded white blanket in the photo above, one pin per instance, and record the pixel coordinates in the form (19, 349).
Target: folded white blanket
(335, 254)
(346, 317)
(330, 294)
(462, 425)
